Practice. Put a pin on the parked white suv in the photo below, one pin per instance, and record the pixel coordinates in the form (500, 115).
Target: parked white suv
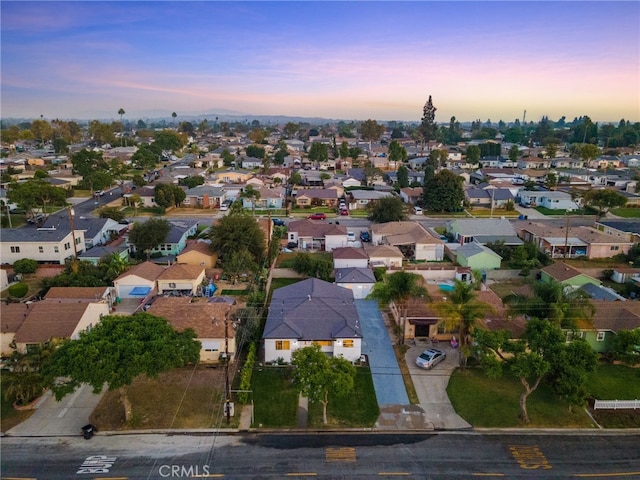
(417, 210)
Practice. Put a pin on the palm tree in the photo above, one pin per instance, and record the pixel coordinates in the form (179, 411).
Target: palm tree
(121, 112)
(252, 194)
(398, 288)
(174, 115)
(553, 301)
(461, 312)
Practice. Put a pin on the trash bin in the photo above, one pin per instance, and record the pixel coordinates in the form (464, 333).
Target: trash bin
(88, 431)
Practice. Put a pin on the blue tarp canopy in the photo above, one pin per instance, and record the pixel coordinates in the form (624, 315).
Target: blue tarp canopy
(140, 290)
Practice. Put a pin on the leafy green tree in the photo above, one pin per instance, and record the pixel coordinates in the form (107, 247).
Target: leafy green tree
(25, 266)
(168, 195)
(514, 153)
(295, 178)
(570, 368)
(79, 274)
(290, 129)
(23, 387)
(148, 235)
(114, 213)
(227, 157)
(241, 262)
(236, 231)
(34, 193)
(146, 158)
(169, 140)
(460, 313)
(387, 209)
(399, 288)
(86, 162)
(343, 150)
(603, 201)
(42, 130)
(255, 151)
(101, 133)
(626, 346)
(371, 131)
(138, 181)
(551, 181)
(354, 153)
(314, 266)
(191, 182)
(116, 351)
(397, 153)
(114, 264)
(551, 149)
(316, 375)
(551, 301)
(403, 177)
(318, 152)
(444, 193)
(473, 154)
(97, 180)
(438, 157)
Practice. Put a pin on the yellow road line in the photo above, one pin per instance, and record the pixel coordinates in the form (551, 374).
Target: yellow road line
(488, 474)
(403, 474)
(301, 474)
(615, 474)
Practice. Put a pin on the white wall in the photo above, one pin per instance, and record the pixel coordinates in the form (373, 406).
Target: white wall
(128, 283)
(32, 249)
(351, 354)
(359, 290)
(430, 252)
(350, 262)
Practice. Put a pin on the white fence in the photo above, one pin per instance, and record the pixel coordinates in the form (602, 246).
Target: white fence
(616, 404)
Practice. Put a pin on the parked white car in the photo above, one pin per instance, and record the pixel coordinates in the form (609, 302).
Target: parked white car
(430, 358)
(417, 210)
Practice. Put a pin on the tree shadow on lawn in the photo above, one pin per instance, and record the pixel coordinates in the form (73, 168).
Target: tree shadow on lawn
(184, 398)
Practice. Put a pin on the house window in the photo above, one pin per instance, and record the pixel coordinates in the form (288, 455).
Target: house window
(56, 249)
(347, 343)
(600, 337)
(15, 249)
(40, 249)
(615, 247)
(283, 345)
(78, 241)
(67, 246)
(324, 343)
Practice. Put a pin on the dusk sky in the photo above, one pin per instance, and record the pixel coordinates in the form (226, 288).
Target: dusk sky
(341, 60)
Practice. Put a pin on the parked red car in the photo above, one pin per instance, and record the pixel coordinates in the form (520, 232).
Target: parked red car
(344, 211)
(317, 216)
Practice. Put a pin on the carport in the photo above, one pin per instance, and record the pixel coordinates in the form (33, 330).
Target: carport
(376, 344)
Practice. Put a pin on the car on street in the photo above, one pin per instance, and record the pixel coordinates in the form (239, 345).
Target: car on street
(278, 222)
(317, 216)
(99, 193)
(417, 210)
(430, 358)
(344, 212)
(365, 236)
(351, 237)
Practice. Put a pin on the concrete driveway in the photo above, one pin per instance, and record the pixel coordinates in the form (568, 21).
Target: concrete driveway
(431, 387)
(64, 418)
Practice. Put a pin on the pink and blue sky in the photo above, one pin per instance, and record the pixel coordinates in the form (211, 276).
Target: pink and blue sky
(347, 60)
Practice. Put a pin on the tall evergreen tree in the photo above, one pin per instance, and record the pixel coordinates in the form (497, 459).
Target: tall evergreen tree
(428, 126)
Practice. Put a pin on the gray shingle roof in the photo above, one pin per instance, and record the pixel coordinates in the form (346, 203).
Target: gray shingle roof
(312, 310)
(354, 275)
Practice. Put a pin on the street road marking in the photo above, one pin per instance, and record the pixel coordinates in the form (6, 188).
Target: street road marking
(529, 457)
(617, 474)
(488, 474)
(344, 454)
(397, 474)
(301, 474)
(17, 478)
(96, 464)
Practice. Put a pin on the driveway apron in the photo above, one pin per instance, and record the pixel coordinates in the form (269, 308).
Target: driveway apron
(376, 344)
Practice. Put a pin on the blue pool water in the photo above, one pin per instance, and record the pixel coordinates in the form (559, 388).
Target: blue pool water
(445, 287)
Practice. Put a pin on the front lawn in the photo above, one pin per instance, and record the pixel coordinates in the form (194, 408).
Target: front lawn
(626, 212)
(275, 399)
(494, 403)
(9, 416)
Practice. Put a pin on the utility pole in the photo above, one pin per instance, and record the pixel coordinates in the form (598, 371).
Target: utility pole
(227, 387)
(566, 238)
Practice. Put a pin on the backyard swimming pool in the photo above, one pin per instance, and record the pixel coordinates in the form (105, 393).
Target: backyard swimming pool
(445, 287)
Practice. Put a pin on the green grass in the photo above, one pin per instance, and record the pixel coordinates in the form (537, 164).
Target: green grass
(626, 212)
(548, 211)
(10, 417)
(359, 408)
(18, 290)
(275, 399)
(614, 382)
(494, 403)
(497, 213)
(234, 292)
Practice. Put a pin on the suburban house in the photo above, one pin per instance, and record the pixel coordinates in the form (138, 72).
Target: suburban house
(349, 257)
(621, 228)
(205, 196)
(98, 231)
(566, 275)
(176, 239)
(308, 312)
(232, 175)
(312, 235)
(81, 294)
(181, 278)
(249, 163)
(608, 319)
(269, 198)
(55, 320)
(555, 200)
(139, 281)
(96, 254)
(359, 280)
(198, 253)
(477, 257)
(483, 231)
(626, 274)
(316, 197)
(484, 197)
(411, 195)
(384, 256)
(147, 196)
(211, 322)
(578, 241)
(13, 314)
(411, 238)
(45, 245)
(361, 198)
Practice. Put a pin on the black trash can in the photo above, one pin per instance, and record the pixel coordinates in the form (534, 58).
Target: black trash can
(88, 431)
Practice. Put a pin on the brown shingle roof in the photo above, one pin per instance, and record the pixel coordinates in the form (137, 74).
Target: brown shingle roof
(199, 247)
(349, 253)
(89, 293)
(616, 315)
(13, 315)
(206, 319)
(50, 319)
(402, 233)
(560, 271)
(147, 270)
(181, 271)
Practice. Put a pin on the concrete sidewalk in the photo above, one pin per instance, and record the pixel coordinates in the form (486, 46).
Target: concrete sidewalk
(64, 418)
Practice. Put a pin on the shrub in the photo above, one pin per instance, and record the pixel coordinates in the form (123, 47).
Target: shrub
(25, 265)
(245, 376)
(18, 290)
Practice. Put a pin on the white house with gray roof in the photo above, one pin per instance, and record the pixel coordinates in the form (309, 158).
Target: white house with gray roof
(45, 245)
(483, 231)
(362, 198)
(359, 280)
(308, 312)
